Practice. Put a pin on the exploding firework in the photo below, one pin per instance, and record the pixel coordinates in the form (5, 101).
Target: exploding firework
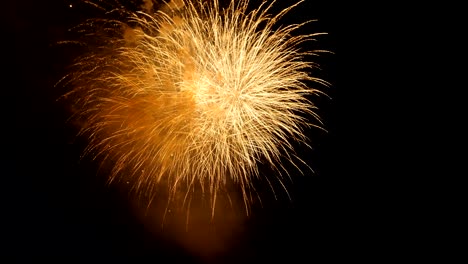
(189, 95)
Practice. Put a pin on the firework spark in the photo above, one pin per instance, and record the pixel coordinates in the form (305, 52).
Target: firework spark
(187, 95)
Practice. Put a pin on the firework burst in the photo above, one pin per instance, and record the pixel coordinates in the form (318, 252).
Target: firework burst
(188, 95)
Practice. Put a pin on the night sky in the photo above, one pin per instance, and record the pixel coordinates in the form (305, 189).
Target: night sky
(57, 209)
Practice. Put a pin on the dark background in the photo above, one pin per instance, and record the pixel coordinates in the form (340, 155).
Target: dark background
(55, 208)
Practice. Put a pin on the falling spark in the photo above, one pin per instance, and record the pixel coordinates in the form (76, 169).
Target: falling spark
(188, 95)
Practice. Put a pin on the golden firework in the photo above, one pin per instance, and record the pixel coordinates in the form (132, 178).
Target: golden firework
(192, 95)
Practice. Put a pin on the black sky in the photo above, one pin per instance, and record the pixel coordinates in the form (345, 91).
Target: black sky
(56, 209)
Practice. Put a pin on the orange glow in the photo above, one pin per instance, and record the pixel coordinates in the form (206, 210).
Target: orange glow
(196, 231)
